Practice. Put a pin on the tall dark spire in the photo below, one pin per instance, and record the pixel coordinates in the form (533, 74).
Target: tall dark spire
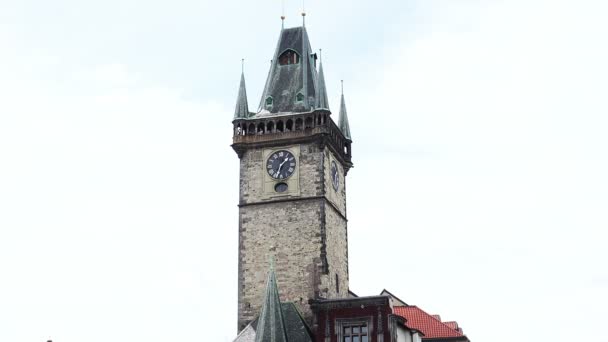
(343, 123)
(321, 98)
(271, 325)
(292, 79)
(242, 107)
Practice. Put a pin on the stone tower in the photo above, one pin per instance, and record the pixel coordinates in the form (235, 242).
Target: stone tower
(292, 201)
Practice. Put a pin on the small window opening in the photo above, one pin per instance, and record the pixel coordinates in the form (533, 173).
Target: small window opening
(337, 284)
(308, 122)
(289, 125)
(299, 97)
(269, 101)
(289, 57)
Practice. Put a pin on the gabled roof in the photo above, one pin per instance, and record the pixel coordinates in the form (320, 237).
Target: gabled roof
(430, 326)
(286, 81)
(397, 300)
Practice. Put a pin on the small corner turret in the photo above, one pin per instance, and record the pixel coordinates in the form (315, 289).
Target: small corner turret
(343, 122)
(242, 107)
(322, 102)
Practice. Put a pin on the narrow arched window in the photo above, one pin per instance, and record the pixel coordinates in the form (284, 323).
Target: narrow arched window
(289, 57)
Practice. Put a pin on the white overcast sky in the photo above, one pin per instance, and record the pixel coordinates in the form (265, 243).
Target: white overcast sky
(479, 191)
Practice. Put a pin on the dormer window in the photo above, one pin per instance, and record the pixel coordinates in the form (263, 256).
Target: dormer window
(269, 101)
(289, 57)
(299, 97)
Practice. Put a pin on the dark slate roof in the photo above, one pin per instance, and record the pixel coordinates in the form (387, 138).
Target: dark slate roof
(242, 108)
(321, 100)
(343, 121)
(297, 330)
(286, 81)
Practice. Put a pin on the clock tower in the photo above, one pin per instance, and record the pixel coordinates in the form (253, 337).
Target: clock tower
(292, 201)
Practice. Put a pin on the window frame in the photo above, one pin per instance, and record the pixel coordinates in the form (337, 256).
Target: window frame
(269, 99)
(291, 56)
(342, 323)
(299, 94)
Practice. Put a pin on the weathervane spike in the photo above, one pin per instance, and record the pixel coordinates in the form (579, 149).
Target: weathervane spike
(282, 14)
(303, 12)
(243, 65)
(342, 81)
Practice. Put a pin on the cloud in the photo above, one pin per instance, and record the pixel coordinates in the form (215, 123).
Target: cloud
(110, 205)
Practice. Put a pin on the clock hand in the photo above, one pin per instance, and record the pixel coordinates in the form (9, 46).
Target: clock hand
(284, 161)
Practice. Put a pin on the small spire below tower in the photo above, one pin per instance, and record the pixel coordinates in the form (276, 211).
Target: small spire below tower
(242, 107)
(343, 122)
(321, 100)
(271, 325)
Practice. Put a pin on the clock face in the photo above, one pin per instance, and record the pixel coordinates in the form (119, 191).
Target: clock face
(281, 164)
(335, 177)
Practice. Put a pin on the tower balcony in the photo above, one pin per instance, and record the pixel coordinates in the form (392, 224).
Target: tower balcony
(291, 128)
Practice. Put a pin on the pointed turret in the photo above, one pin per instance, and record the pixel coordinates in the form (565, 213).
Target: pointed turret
(343, 123)
(242, 107)
(321, 99)
(271, 325)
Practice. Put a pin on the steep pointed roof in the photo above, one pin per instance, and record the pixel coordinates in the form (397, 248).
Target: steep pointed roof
(343, 122)
(297, 329)
(321, 98)
(271, 325)
(242, 107)
(286, 81)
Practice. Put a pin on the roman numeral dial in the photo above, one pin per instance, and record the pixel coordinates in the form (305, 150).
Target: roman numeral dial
(281, 164)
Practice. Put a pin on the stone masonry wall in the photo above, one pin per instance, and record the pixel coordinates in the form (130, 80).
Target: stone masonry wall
(337, 253)
(306, 236)
(290, 232)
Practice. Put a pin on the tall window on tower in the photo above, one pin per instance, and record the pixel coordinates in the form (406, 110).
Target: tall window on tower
(289, 57)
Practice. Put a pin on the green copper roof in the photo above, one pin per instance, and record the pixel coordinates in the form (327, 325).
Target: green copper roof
(271, 325)
(296, 327)
(242, 107)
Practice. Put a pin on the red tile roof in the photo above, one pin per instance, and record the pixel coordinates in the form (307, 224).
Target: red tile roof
(430, 326)
(452, 325)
